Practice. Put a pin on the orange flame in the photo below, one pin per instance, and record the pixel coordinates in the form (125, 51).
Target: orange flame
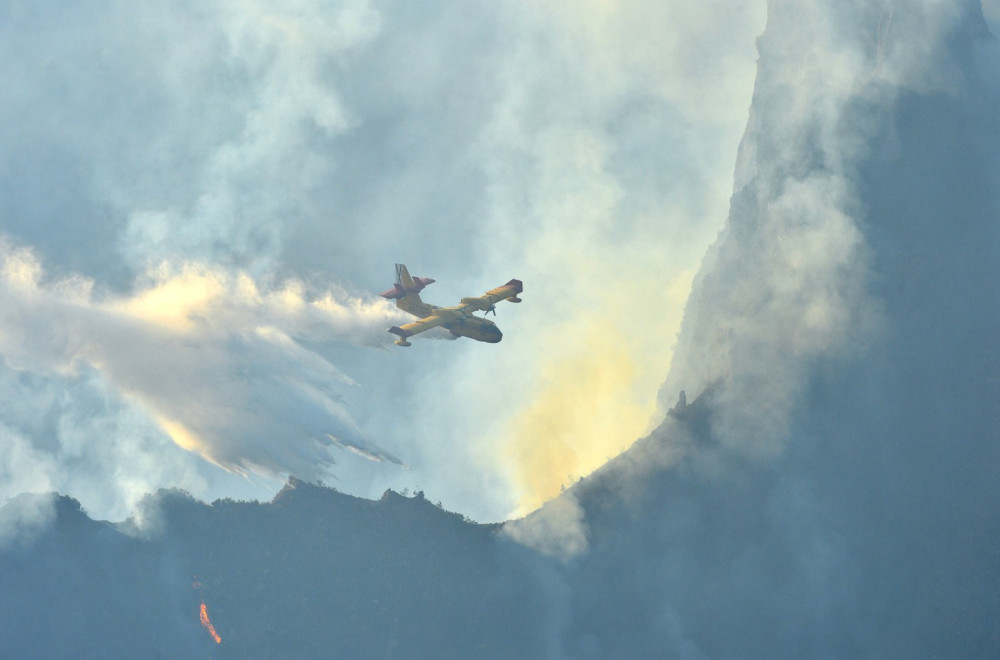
(207, 623)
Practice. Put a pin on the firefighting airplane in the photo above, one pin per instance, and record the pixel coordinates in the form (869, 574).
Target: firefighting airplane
(459, 320)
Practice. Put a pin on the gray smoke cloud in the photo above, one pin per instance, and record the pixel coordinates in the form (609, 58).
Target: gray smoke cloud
(286, 111)
(608, 155)
(23, 517)
(789, 279)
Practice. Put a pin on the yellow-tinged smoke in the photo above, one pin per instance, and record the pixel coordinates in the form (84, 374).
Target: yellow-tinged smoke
(594, 401)
(177, 298)
(215, 358)
(596, 387)
(181, 435)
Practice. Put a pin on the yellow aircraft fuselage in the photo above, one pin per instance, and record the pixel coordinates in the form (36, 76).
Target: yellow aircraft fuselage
(459, 320)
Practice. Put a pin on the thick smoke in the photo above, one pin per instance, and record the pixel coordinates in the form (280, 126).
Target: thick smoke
(586, 152)
(274, 65)
(819, 491)
(788, 289)
(200, 138)
(789, 280)
(557, 529)
(23, 517)
(213, 358)
(608, 154)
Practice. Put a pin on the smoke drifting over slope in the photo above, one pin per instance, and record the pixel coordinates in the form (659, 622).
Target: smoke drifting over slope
(828, 489)
(608, 155)
(791, 281)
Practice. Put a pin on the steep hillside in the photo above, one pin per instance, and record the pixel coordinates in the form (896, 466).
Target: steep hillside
(831, 490)
(314, 573)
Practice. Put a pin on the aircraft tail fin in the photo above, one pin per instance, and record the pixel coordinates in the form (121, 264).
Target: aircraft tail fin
(406, 285)
(406, 292)
(403, 278)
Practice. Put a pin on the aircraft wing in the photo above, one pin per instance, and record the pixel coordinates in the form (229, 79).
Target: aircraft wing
(410, 329)
(486, 301)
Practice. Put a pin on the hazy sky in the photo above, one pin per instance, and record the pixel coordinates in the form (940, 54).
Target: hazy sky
(201, 200)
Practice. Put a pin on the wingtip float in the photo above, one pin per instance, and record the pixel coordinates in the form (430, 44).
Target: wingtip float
(458, 320)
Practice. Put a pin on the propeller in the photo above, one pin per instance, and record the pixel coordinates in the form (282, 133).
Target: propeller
(491, 308)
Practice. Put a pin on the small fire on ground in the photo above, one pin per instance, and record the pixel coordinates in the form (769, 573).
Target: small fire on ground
(203, 613)
(207, 623)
